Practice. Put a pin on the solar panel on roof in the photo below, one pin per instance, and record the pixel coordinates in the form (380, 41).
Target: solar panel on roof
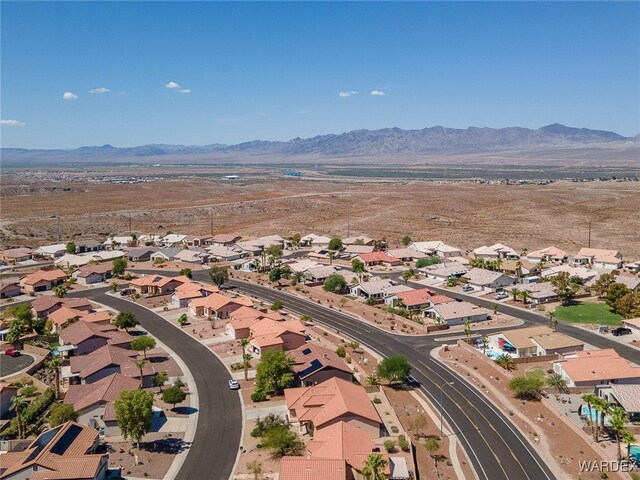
(66, 440)
(313, 367)
(306, 351)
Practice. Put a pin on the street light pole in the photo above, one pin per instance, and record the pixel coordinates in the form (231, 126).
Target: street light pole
(441, 409)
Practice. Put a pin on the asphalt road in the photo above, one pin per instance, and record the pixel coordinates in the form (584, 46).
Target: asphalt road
(495, 447)
(213, 451)
(10, 365)
(531, 317)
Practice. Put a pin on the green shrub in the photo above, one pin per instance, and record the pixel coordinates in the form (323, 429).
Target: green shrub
(341, 352)
(403, 443)
(389, 445)
(258, 396)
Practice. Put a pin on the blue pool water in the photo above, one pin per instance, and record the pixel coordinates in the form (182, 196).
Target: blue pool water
(634, 450)
(595, 415)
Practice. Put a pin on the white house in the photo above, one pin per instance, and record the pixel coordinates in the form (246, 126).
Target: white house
(51, 251)
(456, 313)
(598, 258)
(496, 251)
(487, 280)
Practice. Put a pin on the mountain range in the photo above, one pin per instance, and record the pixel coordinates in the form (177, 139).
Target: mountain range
(387, 141)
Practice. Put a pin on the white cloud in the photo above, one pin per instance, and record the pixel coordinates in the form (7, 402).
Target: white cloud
(185, 90)
(12, 123)
(100, 90)
(69, 96)
(376, 93)
(173, 86)
(346, 94)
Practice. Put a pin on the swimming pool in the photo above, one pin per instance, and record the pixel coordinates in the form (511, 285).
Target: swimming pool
(634, 451)
(595, 415)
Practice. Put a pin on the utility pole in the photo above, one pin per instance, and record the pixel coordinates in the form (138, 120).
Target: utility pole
(58, 219)
(129, 223)
(589, 243)
(211, 221)
(348, 225)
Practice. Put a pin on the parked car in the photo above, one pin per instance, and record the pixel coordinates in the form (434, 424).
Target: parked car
(234, 385)
(620, 331)
(501, 295)
(467, 288)
(125, 291)
(12, 352)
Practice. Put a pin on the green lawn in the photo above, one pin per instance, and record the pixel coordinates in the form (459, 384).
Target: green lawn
(596, 313)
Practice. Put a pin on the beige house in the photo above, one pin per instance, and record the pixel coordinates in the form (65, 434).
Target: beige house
(42, 280)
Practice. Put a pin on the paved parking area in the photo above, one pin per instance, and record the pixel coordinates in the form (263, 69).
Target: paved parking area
(11, 365)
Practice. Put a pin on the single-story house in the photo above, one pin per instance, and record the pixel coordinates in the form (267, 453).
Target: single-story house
(173, 240)
(15, 255)
(437, 248)
(106, 361)
(313, 240)
(319, 273)
(225, 239)
(406, 254)
(190, 291)
(496, 251)
(416, 300)
(225, 254)
(91, 400)
(87, 337)
(42, 280)
(121, 241)
(157, 284)
(378, 258)
(598, 258)
(191, 256)
(633, 267)
(444, 271)
(487, 280)
(314, 364)
(90, 274)
(391, 294)
(371, 289)
(217, 306)
(330, 402)
(539, 292)
(267, 334)
(584, 273)
(140, 254)
(198, 240)
(631, 281)
(164, 254)
(456, 313)
(626, 396)
(358, 240)
(50, 251)
(535, 341)
(90, 245)
(519, 268)
(550, 254)
(244, 318)
(8, 290)
(589, 368)
(63, 452)
(354, 250)
(45, 305)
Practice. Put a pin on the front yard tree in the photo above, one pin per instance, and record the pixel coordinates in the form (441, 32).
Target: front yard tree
(274, 372)
(246, 357)
(282, 441)
(628, 306)
(358, 267)
(374, 468)
(407, 274)
(615, 292)
(558, 382)
(506, 361)
(335, 243)
(119, 266)
(602, 284)
(134, 413)
(126, 320)
(395, 368)
(186, 272)
(173, 396)
(618, 422)
(61, 413)
(24, 314)
(406, 240)
(70, 247)
(60, 291)
(143, 343)
(334, 283)
(140, 364)
(18, 404)
(15, 331)
(218, 275)
(527, 387)
(159, 379)
(275, 274)
(565, 289)
(55, 364)
(183, 320)
(433, 445)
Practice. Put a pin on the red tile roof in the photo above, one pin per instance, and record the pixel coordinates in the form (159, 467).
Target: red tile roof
(378, 257)
(300, 468)
(415, 297)
(105, 390)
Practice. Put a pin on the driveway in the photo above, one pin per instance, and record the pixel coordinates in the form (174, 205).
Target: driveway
(11, 365)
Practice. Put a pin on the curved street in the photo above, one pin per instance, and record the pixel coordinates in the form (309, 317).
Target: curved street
(495, 447)
(214, 449)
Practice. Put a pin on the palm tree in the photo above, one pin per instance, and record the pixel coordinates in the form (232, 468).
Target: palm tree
(55, 363)
(140, 364)
(589, 398)
(515, 293)
(372, 380)
(558, 382)
(485, 344)
(467, 330)
(498, 263)
(604, 408)
(506, 361)
(297, 277)
(433, 445)
(407, 274)
(60, 291)
(524, 295)
(18, 404)
(246, 357)
(617, 423)
(553, 323)
(375, 467)
(518, 268)
(331, 256)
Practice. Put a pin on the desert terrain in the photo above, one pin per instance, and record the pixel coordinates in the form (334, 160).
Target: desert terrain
(465, 214)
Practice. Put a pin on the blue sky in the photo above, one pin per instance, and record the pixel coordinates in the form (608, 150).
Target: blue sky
(275, 71)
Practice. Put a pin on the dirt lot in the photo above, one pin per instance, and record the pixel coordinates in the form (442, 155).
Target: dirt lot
(463, 214)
